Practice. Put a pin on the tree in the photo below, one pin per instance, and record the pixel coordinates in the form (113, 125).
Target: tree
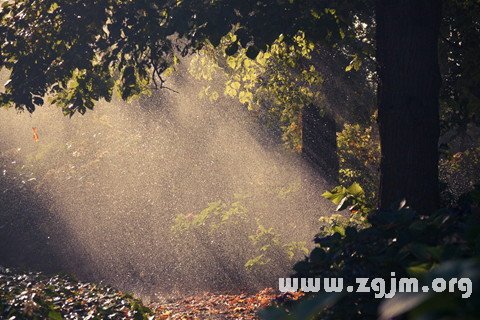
(408, 101)
(77, 52)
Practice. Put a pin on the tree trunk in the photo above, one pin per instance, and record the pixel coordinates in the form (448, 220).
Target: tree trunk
(408, 105)
(319, 142)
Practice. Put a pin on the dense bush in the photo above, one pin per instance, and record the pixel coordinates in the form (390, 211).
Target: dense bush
(36, 296)
(446, 244)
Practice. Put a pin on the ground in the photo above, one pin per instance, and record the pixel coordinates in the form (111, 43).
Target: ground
(215, 306)
(33, 295)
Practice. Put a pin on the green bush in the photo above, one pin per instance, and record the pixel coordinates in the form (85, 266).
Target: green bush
(33, 295)
(221, 224)
(446, 243)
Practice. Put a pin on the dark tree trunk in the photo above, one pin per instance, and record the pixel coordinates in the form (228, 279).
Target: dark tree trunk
(408, 106)
(319, 142)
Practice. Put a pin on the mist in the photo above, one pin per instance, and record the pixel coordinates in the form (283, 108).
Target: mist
(97, 196)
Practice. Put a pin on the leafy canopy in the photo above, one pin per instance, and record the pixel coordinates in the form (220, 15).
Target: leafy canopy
(78, 52)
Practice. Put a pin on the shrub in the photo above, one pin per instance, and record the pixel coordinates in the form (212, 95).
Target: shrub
(399, 240)
(222, 224)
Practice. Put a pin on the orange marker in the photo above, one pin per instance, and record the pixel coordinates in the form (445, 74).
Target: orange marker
(35, 134)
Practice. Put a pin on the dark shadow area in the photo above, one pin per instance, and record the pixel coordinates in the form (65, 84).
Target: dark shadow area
(32, 237)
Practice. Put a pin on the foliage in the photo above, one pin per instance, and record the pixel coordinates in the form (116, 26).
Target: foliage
(459, 172)
(359, 156)
(214, 216)
(338, 223)
(78, 52)
(36, 296)
(235, 219)
(276, 85)
(351, 198)
(268, 244)
(434, 306)
(400, 241)
(459, 43)
(359, 160)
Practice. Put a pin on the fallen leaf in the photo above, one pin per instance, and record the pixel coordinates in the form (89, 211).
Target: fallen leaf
(35, 134)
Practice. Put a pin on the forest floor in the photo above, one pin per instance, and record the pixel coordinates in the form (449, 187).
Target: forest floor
(215, 306)
(33, 295)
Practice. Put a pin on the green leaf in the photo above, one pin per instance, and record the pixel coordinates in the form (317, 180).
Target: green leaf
(355, 189)
(340, 230)
(419, 270)
(335, 196)
(53, 7)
